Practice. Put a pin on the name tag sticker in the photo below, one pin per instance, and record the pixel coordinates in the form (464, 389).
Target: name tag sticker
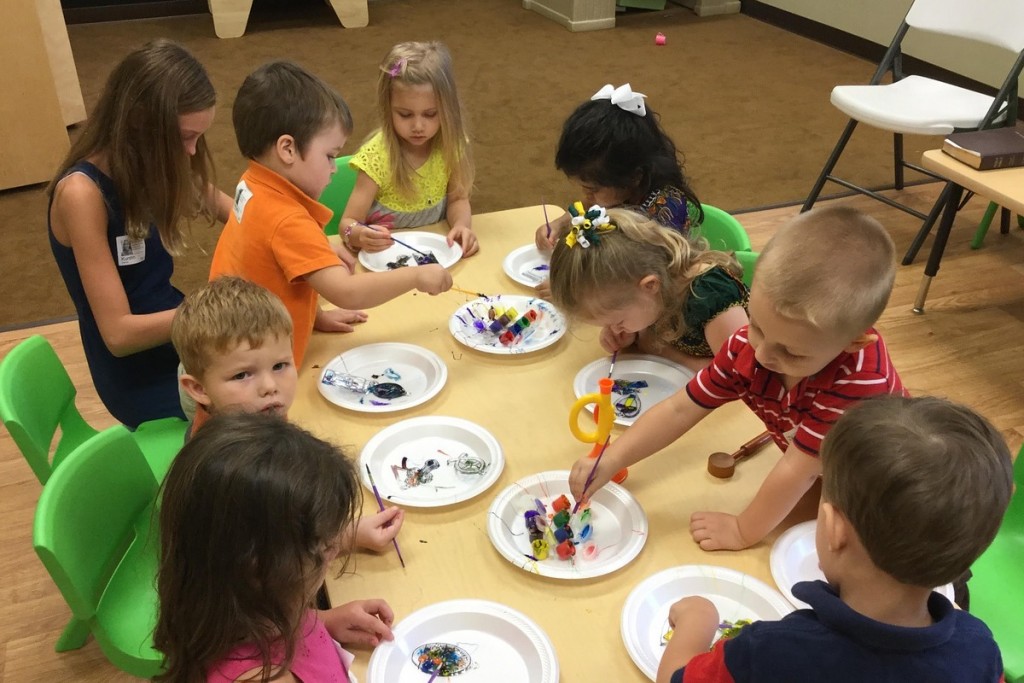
(129, 251)
(242, 196)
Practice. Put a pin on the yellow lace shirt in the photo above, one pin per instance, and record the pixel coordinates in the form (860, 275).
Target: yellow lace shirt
(430, 181)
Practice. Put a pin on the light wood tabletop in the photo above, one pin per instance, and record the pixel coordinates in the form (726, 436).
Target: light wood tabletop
(524, 401)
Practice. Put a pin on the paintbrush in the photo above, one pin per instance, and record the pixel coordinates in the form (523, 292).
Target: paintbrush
(430, 257)
(544, 208)
(466, 291)
(380, 503)
(437, 670)
(590, 477)
(611, 368)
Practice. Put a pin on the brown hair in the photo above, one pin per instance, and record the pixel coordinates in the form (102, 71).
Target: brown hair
(248, 509)
(282, 98)
(832, 267)
(135, 123)
(217, 317)
(426, 64)
(636, 248)
(923, 481)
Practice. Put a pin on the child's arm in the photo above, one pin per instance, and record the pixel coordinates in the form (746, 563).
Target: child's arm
(367, 290)
(338, 320)
(79, 209)
(360, 622)
(377, 238)
(788, 481)
(218, 203)
(460, 218)
(545, 238)
(653, 431)
(722, 326)
(694, 621)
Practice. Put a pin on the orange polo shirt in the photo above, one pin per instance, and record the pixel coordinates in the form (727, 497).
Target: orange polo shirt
(275, 238)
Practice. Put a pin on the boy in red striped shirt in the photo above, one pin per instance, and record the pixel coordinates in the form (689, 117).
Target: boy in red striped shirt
(809, 352)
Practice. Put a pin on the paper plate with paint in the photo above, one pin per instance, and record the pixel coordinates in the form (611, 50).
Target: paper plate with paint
(616, 534)
(432, 461)
(641, 381)
(794, 558)
(382, 378)
(740, 599)
(400, 256)
(507, 324)
(475, 640)
(526, 265)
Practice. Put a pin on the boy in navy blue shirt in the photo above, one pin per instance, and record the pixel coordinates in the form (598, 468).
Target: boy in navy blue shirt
(913, 490)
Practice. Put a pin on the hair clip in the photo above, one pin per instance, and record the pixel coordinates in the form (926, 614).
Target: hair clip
(624, 98)
(396, 69)
(587, 226)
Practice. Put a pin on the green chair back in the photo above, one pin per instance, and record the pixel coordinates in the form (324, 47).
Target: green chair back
(997, 586)
(36, 399)
(722, 231)
(335, 195)
(747, 261)
(92, 533)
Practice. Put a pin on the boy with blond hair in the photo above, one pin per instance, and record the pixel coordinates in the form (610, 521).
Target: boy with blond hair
(292, 127)
(808, 354)
(234, 339)
(913, 491)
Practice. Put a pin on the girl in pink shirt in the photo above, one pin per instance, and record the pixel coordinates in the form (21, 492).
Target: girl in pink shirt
(252, 516)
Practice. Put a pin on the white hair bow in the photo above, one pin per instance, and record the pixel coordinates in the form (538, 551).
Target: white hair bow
(624, 98)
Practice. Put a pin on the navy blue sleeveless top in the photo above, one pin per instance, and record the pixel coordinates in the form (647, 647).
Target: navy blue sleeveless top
(144, 385)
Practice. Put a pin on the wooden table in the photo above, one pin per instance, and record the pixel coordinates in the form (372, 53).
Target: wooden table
(1004, 187)
(524, 401)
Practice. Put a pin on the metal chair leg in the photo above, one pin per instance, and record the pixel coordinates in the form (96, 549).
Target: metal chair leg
(926, 227)
(1004, 222)
(953, 193)
(829, 165)
(897, 160)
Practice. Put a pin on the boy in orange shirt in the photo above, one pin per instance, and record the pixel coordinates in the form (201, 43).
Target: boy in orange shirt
(292, 127)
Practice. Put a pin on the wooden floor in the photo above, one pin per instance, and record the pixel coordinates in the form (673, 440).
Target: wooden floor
(966, 347)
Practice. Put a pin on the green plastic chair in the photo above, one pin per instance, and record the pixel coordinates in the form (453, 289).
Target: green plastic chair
(997, 586)
(722, 231)
(37, 398)
(335, 195)
(94, 534)
(747, 261)
(986, 221)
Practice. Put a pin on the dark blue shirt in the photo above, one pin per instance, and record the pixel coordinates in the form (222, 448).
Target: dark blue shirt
(144, 385)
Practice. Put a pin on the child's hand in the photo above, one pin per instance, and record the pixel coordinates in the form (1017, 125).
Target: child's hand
(581, 471)
(543, 290)
(346, 256)
(361, 622)
(717, 531)
(338, 320)
(376, 532)
(372, 238)
(612, 341)
(432, 279)
(465, 236)
(545, 238)
(694, 614)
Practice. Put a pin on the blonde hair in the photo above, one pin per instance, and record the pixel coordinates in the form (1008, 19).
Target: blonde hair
(216, 318)
(135, 123)
(430, 64)
(612, 266)
(833, 268)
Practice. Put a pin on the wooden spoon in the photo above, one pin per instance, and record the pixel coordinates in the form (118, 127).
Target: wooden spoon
(722, 465)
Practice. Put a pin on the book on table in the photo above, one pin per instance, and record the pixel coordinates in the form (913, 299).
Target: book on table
(987, 149)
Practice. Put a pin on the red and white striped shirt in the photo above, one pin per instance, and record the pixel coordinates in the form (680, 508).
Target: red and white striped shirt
(804, 414)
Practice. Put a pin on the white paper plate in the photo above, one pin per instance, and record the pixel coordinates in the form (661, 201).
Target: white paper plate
(548, 329)
(526, 265)
(427, 242)
(619, 523)
(422, 373)
(663, 378)
(736, 595)
(503, 644)
(418, 439)
(794, 558)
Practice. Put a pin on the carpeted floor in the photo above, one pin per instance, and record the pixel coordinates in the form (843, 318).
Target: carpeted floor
(745, 101)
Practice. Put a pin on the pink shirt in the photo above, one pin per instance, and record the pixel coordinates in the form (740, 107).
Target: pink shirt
(317, 658)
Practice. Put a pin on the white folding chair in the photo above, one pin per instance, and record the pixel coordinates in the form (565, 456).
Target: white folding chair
(919, 105)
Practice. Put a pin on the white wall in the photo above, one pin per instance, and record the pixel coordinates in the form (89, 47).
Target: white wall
(877, 20)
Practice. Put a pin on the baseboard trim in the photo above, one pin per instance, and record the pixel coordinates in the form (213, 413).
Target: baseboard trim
(37, 323)
(134, 10)
(860, 47)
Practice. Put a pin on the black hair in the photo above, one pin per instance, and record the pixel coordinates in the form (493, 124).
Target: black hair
(611, 147)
